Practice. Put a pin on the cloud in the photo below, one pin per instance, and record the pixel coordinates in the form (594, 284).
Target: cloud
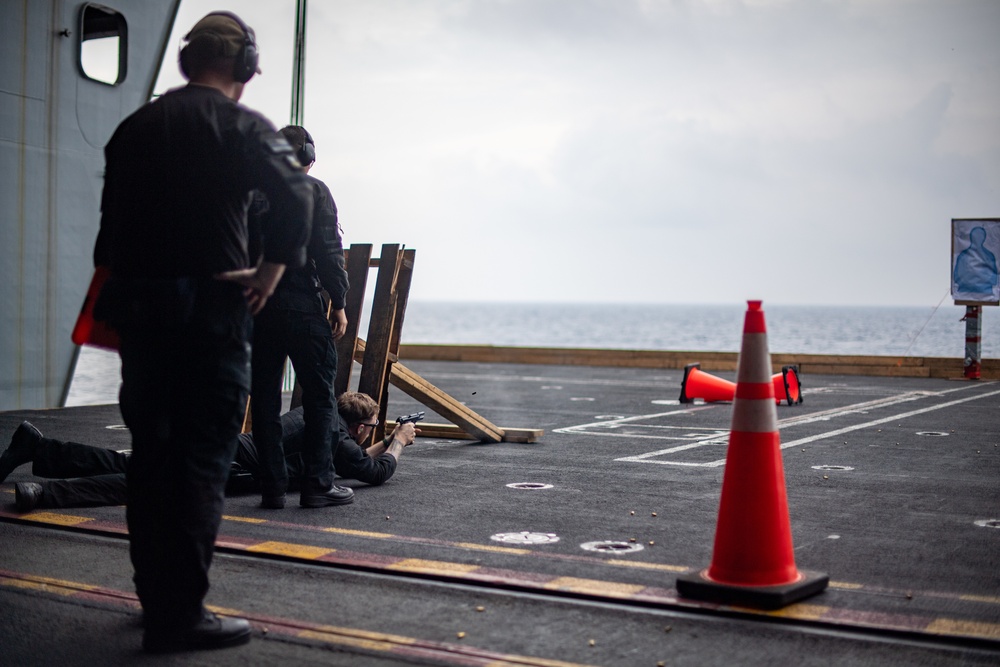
(675, 150)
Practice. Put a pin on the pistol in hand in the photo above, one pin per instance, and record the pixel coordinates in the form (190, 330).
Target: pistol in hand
(415, 417)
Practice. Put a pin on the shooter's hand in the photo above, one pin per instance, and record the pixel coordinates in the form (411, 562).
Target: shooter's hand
(405, 433)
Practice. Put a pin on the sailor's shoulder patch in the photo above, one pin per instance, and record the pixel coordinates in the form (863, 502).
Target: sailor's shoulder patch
(277, 144)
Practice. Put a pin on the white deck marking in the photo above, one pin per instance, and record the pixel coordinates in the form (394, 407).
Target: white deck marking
(608, 424)
(715, 437)
(548, 381)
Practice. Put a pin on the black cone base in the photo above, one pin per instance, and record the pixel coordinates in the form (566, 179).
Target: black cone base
(698, 587)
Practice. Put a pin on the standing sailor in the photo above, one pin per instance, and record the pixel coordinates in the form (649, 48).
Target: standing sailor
(294, 325)
(174, 233)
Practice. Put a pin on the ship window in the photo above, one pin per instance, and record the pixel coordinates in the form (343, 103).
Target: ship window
(103, 44)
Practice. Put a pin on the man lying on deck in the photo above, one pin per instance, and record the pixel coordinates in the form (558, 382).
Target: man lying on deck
(98, 475)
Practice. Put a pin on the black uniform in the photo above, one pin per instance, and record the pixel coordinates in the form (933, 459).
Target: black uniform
(177, 184)
(293, 324)
(86, 476)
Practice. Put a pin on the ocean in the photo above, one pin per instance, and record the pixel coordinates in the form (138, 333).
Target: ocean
(868, 330)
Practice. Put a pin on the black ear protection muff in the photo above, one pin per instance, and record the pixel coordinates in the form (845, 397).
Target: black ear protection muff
(247, 58)
(307, 154)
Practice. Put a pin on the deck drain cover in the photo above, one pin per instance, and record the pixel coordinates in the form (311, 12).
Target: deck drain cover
(988, 523)
(936, 434)
(529, 485)
(525, 537)
(610, 546)
(832, 468)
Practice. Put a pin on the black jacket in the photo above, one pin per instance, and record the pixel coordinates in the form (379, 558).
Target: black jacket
(350, 461)
(324, 267)
(179, 175)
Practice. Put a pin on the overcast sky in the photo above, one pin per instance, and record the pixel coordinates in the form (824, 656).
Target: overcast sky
(684, 151)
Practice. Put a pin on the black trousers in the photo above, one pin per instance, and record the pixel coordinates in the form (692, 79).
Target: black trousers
(86, 476)
(294, 325)
(185, 375)
(97, 475)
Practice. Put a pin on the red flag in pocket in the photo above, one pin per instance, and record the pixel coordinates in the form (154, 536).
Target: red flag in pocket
(89, 331)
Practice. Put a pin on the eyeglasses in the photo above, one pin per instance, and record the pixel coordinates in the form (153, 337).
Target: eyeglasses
(368, 424)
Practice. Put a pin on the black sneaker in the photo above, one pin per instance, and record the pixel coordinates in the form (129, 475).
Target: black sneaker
(27, 495)
(21, 449)
(335, 495)
(209, 633)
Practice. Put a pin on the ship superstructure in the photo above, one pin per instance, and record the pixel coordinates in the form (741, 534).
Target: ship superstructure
(69, 72)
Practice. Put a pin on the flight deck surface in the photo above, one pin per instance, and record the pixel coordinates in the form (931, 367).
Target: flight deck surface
(566, 550)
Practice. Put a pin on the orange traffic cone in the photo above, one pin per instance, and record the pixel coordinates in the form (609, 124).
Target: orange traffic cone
(787, 386)
(709, 388)
(752, 561)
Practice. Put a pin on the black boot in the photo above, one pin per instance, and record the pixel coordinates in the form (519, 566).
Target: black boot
(275, 502)
(21, 449)
(335, 495)
(210, 632)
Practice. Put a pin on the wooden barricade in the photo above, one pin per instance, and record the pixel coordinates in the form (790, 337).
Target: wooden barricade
(378, 354)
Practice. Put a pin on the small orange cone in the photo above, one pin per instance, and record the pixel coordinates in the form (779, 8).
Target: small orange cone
(707, 387)
(787, 386)
(711, 389)
(752, 561)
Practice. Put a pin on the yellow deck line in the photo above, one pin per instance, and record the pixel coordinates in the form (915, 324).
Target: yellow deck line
(941, 626)
(288, 549)
(359, 533)
(642, 565)
(988, 599)
(492, 548)
(243, 519)
(336, 635)
(377, 641)
(593, 587)
(431, 566)
(47, 584)
(57, 519)
(800, 611)
(954, 627)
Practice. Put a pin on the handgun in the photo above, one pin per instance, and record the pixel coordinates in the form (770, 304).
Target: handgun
(415, 417)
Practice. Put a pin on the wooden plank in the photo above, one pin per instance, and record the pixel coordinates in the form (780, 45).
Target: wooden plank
(440, 402)
(247, 419)
(375, 364)
(521, 435)
(450, 431)
(443, 404)
(817, 364)
(358, 258)
(565, 357)
(403, 281)
(876, 371)
(848, 360)
(401, 294)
